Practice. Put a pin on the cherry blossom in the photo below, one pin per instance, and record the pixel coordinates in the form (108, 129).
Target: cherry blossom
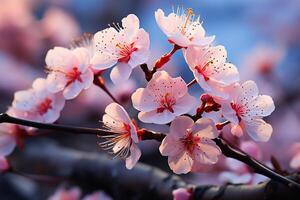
(4, 166)
(98, 195)
(69, 71)
(181, 194)
(124, 138)
(123, 48)
(190, 143)
(64, 194)
(183, 28)
(163, 99)
(295, 160)
(7, 139)
(245, 109)
(38, 103)
(210, 69)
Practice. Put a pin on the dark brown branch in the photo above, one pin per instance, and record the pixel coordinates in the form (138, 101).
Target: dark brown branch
(191, 83)
(142, 182)
(227, 150)
(148, 73)
(98, 171)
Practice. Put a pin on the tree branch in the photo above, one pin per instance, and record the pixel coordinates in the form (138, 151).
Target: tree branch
(226, 149)
(142, 182)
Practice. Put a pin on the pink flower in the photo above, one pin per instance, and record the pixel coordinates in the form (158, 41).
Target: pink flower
(38, 103)
(7, 139)
(163, 99)
(69, 71)
(252, 149)
(295, 161)
(210, 69)
(182, 28)
(245, 109)
(64, 194)
(124, 138)
(181, 194)
(190, 143)
(4, 166)
(52, 23)
(123, 47)
(98, 195)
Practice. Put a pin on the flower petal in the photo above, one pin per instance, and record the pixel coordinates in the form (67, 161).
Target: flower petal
(142, 100)
(259, 130)
(120, 73)
(180, 125)
(205, 128)
(73, 90)
(135, 154)
(157, 118)
(181, 164)
(7, 143)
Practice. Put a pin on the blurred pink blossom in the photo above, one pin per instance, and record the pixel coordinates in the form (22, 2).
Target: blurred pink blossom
(52, 23)
(181, 194)
(98, 195)
(4, 166)
(240, 172)
(66, 194)
(295, 160)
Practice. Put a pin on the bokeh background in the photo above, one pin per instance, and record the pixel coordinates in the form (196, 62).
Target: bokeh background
(262, 38)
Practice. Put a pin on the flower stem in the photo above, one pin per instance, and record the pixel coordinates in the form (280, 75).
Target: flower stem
(148, 73)
(226, 149)
(5, 118)
(166, 57)
(99, 81)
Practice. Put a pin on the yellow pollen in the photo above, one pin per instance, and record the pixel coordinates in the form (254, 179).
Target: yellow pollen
(188, 16)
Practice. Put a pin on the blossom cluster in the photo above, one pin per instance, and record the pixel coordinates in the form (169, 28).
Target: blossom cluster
(164, 100)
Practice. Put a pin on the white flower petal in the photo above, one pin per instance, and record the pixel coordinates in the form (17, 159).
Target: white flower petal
(135, 154)
(180, 164)
(120, 73)
(180, 125)
(205, 128)
(56, 82)
(73, 90)
(259, 130)
(7, 143)
(156, 118)
(143, 100)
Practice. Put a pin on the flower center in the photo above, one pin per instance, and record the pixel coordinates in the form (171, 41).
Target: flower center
(74, 75)
(190, 141)
(44, 106)
(202, 70)
(166, 103)
(187, 19)
(125, 51)
(238, 109)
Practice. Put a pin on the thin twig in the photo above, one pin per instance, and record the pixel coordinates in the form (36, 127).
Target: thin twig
(191, 83)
